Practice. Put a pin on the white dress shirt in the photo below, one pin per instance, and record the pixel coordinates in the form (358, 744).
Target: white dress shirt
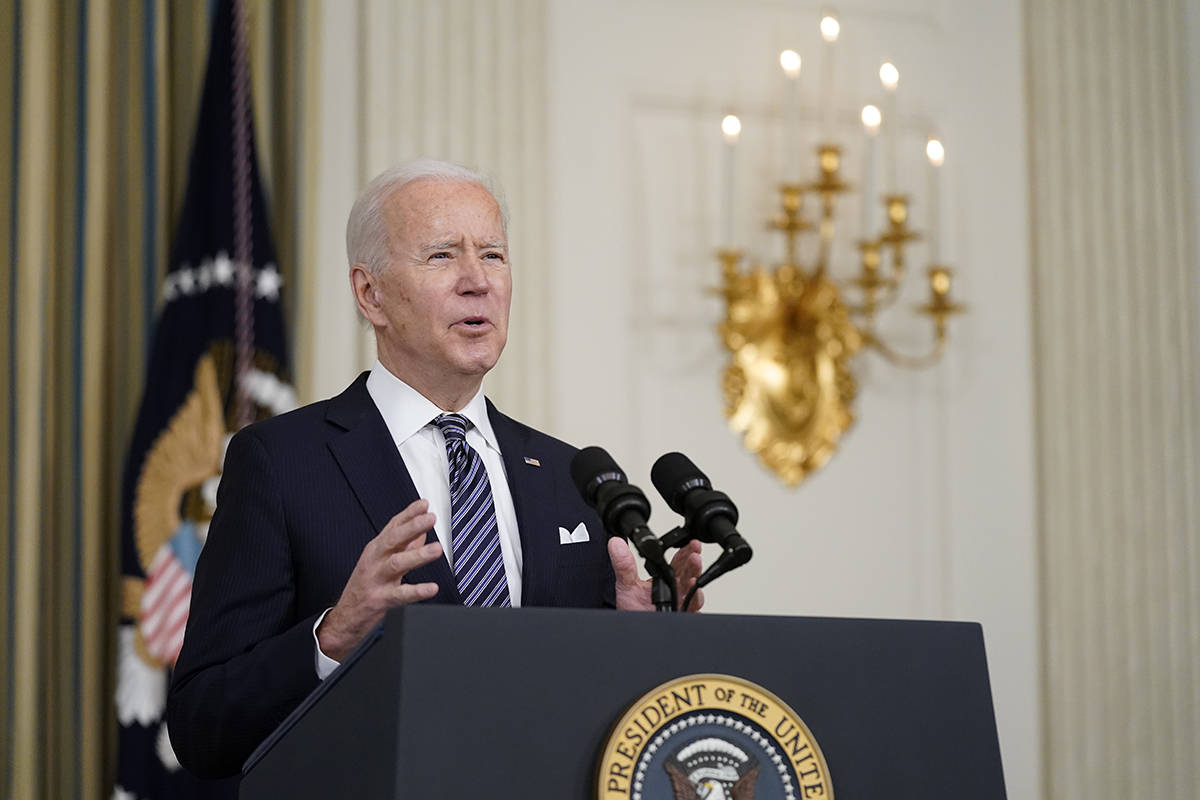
(409, 418)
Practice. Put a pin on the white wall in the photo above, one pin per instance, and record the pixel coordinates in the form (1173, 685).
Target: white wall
(928, 509)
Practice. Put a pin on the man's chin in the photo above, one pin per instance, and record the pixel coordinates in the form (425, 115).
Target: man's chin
(477, 361)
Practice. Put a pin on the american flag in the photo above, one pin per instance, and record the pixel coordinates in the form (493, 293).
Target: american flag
(218, 339)
(168, 594)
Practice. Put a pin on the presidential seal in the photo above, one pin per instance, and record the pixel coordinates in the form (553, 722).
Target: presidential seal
(711, 737)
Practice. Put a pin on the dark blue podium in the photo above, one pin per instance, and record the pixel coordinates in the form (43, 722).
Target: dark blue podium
(447, 702)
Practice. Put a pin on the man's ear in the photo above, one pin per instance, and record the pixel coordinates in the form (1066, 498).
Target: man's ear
(365, 286)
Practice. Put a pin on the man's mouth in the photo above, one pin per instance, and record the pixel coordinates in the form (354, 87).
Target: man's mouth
(474, 322)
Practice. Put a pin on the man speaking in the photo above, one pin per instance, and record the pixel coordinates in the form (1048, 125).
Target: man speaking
(324, 514)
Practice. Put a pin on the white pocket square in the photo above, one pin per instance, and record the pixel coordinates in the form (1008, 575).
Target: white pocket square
(580, 534)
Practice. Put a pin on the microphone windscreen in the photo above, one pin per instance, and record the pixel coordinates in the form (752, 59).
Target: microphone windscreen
(674, 475)
(591, 467)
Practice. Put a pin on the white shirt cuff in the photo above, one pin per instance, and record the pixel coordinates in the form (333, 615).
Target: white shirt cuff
(325, 665)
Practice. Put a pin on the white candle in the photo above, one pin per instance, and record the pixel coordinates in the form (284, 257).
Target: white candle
(789, 62)
(937, 156)
(889, 76)
(871, 120)
(830, 29)
(731, 128)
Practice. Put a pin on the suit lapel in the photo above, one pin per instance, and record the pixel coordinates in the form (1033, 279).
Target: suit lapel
(372, 466)
(532, 488)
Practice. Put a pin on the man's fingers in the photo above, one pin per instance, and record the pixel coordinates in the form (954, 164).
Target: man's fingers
(413, 509)
(410, 558)
(414, 592)
(687, 563)
(623, 563)
(416, 543)
(633, 594)
(406, 526)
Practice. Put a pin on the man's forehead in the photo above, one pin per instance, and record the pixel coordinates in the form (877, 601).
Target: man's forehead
(441, 195)
(435, 208)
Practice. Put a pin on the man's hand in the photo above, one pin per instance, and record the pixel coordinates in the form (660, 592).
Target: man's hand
(374, 586)
(633, 594)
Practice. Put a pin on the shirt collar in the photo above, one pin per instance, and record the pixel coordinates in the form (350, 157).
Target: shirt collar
(406, 411)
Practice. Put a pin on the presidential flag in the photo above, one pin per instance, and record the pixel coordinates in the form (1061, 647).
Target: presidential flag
(217, 362)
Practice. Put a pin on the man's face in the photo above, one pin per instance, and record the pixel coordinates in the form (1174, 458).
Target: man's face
(444, 298)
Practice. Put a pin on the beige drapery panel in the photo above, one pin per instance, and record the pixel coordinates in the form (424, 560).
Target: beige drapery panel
(1118, 402)
(98, 102)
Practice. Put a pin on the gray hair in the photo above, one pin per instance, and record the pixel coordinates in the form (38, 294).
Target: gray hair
(366, 232)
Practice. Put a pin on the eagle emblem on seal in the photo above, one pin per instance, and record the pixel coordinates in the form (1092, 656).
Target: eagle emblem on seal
(712, 769)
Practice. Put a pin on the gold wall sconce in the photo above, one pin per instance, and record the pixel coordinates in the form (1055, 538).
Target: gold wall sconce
(793, 330)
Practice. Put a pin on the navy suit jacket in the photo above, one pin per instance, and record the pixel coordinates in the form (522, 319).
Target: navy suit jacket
(300, 497)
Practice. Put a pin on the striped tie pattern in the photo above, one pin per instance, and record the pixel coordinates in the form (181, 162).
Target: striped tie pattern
(475, 534)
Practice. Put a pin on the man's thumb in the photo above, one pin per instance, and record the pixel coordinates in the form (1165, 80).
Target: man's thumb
(624, 564)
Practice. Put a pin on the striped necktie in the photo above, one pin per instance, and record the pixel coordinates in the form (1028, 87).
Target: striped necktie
(475, 534)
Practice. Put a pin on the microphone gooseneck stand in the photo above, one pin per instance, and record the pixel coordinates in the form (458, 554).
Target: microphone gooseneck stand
(708, 516)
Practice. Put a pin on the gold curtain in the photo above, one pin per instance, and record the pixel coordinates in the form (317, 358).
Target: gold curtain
(99, 102)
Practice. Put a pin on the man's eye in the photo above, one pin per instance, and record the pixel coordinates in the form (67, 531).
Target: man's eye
(497, 256)
(440, 255)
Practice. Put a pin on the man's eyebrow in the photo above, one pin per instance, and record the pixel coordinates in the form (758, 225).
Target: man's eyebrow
(444, 244)
(494, 244)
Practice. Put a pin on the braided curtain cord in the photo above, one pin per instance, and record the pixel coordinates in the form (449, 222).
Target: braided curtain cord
(243, 217)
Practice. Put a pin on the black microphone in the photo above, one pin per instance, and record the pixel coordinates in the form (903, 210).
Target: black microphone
(708, 515)
(623, 507)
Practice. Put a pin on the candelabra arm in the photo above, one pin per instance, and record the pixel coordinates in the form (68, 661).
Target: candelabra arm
(891, 294)
(825, 231)
(897, 263)
(793, 252)
(869, 284)
(872, 340)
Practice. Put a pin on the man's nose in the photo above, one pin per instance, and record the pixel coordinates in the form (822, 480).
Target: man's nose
(473, 276)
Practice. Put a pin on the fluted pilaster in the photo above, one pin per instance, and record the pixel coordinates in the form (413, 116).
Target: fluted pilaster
(1115, 353)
